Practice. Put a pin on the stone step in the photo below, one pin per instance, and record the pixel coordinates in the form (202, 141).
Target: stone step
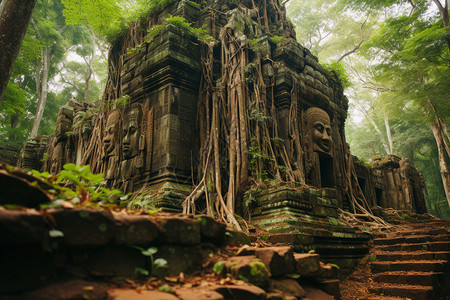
(428, 246)
(409, 278)
(434, 231)
(403, 255)
(419, 266)
(415, 292)
(386, 298)
(410, 239)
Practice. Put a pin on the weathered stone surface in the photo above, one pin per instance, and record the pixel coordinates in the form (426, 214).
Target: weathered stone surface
(232, 292)
(331, 287)
(18, 191)
(22, 227)
(179, 259)
(248, 268)
(279, 260)
(307, 265)
(197, 294)
(211, 231)
(274, 296)
(134, 230)
(237, 237)
(179, 230)
(313, 293)
(122, 294)
(69, 290)
(84, 227)
(326, 271)
(114, 261)
(289, 286)
(291, 238)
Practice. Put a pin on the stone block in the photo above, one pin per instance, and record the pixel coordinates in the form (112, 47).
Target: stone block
(179, 230)
(134, 230)
(179, 259)
(331, 287)
(16, 190)
(307, 265)
(230, 292)
(248, 268)
(122, 294)
(22, 227)
(326, 271)
(291, 238)
(279, 260)
(211, 230)
(236, 237)
(113, 261)
(84, 227)
(289, 286)
(197, 294)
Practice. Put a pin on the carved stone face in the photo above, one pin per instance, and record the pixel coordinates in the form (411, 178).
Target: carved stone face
(131, 133)
(110, 139)
(320, 126)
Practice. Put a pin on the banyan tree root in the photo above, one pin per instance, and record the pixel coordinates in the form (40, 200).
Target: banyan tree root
(364, 220)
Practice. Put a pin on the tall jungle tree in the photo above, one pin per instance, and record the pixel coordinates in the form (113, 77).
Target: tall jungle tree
(14, 20)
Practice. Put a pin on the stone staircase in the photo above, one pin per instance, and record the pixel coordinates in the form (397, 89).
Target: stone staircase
(413, 264)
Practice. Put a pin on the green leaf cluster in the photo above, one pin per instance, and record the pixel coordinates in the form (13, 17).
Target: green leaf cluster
(183, 25)
(87, 185)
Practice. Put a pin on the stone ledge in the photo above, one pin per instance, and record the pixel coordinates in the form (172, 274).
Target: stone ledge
(89, 227)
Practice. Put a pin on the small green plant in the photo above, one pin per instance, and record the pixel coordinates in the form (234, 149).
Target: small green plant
(255, 115)
(155, 264)
(122, 101)
(181, 24)
(334, 266)
(372, 258)
(167, 289)
(425, 247)
(218, 267)
(253, 42)
(87, 186)
(277, 39)
(311, 251)
(265, 237)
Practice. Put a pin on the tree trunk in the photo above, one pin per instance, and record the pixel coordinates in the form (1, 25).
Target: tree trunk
(443, 10)
(388, 133)
(2, 5)
(441, 136)
(437, 132)
(42, 92)
(14, 21)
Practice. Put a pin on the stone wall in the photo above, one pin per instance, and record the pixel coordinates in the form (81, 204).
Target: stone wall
(392, 182)
(9, 155)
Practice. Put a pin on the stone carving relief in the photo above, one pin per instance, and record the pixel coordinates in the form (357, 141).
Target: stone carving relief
(319, 165)
(133, 146)
(110, 144)
(319, 126)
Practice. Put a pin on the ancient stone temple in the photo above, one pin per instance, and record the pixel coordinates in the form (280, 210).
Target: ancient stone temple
(237, 116)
